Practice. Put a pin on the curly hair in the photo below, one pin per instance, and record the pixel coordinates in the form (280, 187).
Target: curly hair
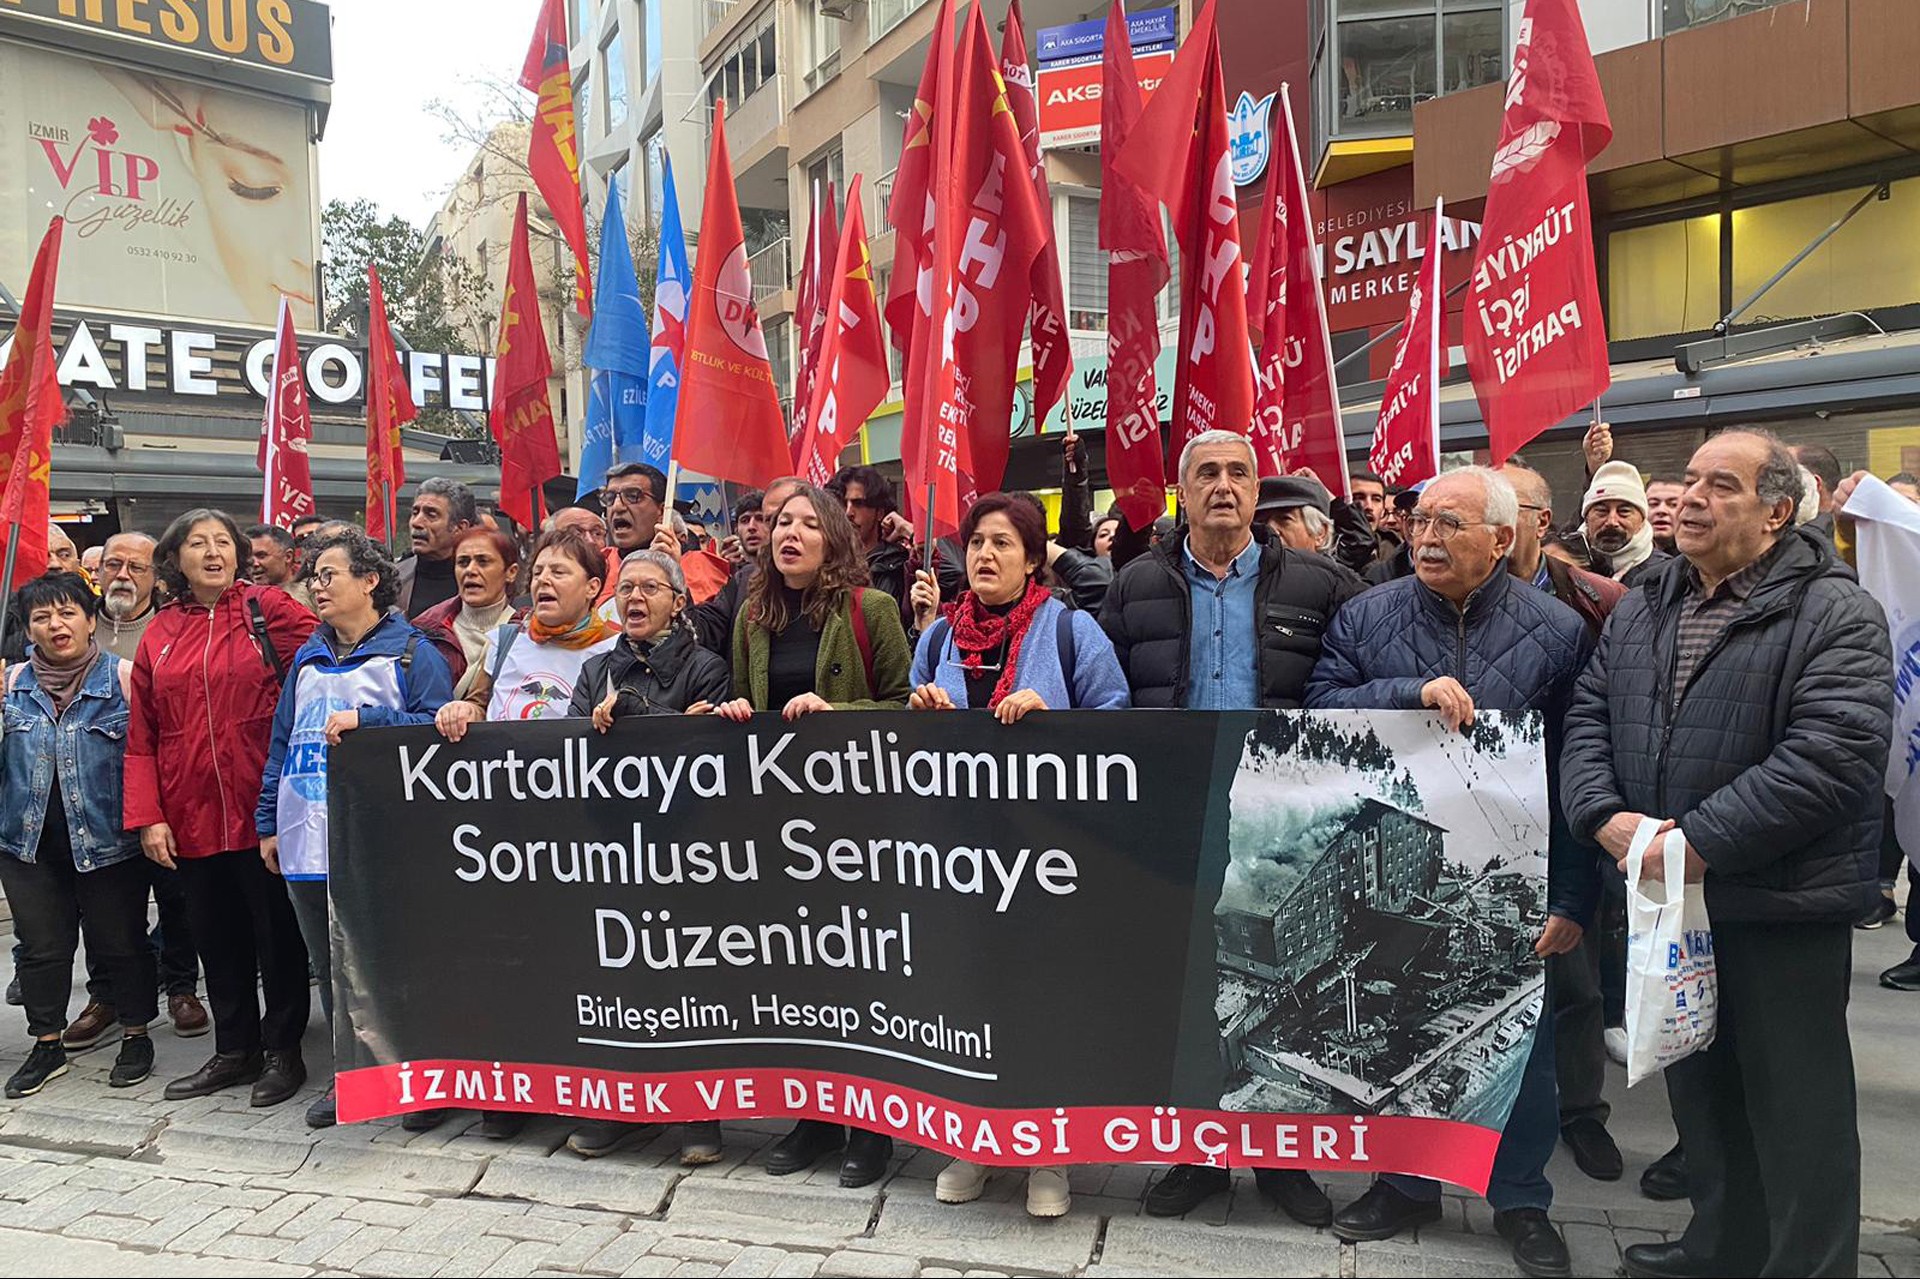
(364, 558)
(166, 552)
(842, 567)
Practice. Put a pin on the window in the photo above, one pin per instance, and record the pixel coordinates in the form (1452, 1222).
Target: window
(1375, 59)
(583, 103)
(582, 15)
(1678, 15)
(1086, 266)
(829, 168)
(650, 32)
(613, 60)
(656, 150)
(819, 44)
(746, 68)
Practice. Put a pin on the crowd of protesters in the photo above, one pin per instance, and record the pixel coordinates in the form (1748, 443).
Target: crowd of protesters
(1698, 645)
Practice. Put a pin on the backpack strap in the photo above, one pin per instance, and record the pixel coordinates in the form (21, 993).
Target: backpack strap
(257, 623)
(406, 654)
(861, 639)
(1063, 638)
(938, 639)
(503, 638)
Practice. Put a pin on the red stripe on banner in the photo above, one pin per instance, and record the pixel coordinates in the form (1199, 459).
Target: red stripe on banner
(1035, 1137)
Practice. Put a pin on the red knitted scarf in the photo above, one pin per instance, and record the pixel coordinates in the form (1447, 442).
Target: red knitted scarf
(977, 632)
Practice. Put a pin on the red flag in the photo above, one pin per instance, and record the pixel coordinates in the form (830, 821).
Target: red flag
(1052, 356)
(286, 430)
(917, 306)
(852, 377)
(1296, 413)
(1536, 340)
(1406, 440)
(1179, 152)
(728, 424)
(389, 407)
(810, 307)
(30, 407)
(1136, 247)
(553, 153)
(521, 416)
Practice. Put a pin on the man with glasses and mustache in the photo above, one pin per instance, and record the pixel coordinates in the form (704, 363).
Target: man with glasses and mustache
(126, 593)
(1460, 636)
(633, 498)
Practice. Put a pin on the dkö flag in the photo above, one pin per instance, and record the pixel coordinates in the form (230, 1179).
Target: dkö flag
(1888, 550)
(1272, 938)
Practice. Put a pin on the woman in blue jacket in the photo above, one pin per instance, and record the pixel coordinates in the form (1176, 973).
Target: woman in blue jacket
(65, 860)
(1008, 647)
(365, 666)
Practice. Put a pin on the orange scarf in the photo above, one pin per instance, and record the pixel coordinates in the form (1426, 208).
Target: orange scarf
(585, 633)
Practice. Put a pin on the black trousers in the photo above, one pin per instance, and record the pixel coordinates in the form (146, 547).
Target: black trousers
(1892, 856)
(51, 902)
(1579, 1025)
(245, 929)
(171, 941)
(1768, 1113)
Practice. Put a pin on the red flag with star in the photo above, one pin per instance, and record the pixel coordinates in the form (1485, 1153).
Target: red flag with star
(553, 151)
(1052, 356)
(852, 378)
(30, 407)
(389, 407)
(521, 417)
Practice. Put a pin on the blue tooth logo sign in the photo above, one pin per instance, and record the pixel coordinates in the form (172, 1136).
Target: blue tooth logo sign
(1250, 136)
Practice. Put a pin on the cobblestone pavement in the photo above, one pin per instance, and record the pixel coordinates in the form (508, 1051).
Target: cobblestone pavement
(97, 1181)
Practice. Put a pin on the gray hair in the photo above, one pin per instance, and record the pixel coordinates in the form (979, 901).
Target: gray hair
(1318, 527)
(458, 497)
(660, 560)
(1779, 478)
(1502, 507)
(1215, 437)
(1809, 506)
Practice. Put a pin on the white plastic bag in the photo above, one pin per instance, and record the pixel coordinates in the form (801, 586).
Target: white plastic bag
(1672, 987)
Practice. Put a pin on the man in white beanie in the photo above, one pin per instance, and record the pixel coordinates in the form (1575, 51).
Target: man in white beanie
(1615, 511)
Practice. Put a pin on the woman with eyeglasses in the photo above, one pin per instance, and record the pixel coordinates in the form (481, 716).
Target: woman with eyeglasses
(813, 637)
(365, 666)
(206, 682)
(656, 668)
(1009, 648)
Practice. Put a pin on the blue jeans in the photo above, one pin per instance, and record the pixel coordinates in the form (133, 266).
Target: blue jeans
(1519, 1178)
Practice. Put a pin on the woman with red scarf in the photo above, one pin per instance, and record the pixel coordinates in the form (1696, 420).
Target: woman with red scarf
(1008, 647)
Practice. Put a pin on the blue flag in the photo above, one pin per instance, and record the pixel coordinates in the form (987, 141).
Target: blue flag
(669, 329)
(616, 353)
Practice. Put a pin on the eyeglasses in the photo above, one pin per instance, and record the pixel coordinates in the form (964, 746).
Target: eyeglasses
(113, 568)
(1444, 525)
(326, 577)
(1526, 507)
(648, 590)
(632, 496)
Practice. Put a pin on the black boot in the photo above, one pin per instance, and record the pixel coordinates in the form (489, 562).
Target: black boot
(804, 1147)
(1184, 1188)
(868, 1154)
(1538, 1248)
(284, 1076)
(1295, 1193)
(1666, 1177)
(1904, 976)
(1666, 1261)
(1593, 1148)
(223, 1070)
(1382, 1213)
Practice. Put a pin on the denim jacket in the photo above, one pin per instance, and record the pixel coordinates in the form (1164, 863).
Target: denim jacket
(89, 743)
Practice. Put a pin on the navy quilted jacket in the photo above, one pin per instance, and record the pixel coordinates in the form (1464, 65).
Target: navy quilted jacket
(1513, 648)
(1774, 759)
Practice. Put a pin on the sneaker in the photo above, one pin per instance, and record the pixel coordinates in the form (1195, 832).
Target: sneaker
(322, 1112)
(1883, 910)
(1048, 1194)
(700, 1143)
(960, 1183)
(134, 1064)
(599, 1137)
(1616, 1038)
(48, 1060)
(96, 1023)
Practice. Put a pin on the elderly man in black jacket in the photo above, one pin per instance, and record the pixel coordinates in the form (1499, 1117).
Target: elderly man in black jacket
(1744, 694)
(1223, 617)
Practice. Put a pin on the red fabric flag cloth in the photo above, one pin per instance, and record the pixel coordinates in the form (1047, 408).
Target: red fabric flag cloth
(1536, 340)
(1406, 439)
(852, 378)
(810, 307)
(1052, 355)
(553, 151)
(30, 407)
(1136, 248)
(389, 407)
(286, 431)
(521, 416)
(728, 424)
(1179, 152)
(1296, 414)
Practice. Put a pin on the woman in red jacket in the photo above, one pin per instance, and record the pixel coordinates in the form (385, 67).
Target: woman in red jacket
(206, 680)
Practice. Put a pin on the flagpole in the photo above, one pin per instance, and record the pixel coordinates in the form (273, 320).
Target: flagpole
(933, 551)
(6, 579)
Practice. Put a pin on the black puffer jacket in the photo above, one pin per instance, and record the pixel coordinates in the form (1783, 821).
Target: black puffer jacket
(1148, 614)
(1774, 758)
(673, 676)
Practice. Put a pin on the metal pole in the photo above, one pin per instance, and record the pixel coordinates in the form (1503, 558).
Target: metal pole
(1398, 325)
(1879, 192)
(6, 582)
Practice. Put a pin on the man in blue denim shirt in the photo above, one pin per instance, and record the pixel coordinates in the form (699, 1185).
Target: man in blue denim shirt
(1221, 659)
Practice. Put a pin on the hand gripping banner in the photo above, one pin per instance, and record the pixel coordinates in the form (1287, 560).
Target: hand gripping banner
(1299, 939)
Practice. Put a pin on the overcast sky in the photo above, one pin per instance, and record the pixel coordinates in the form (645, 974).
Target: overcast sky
(390, 59)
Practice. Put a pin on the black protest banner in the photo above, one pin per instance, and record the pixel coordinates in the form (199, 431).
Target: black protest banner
(1283, 938)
